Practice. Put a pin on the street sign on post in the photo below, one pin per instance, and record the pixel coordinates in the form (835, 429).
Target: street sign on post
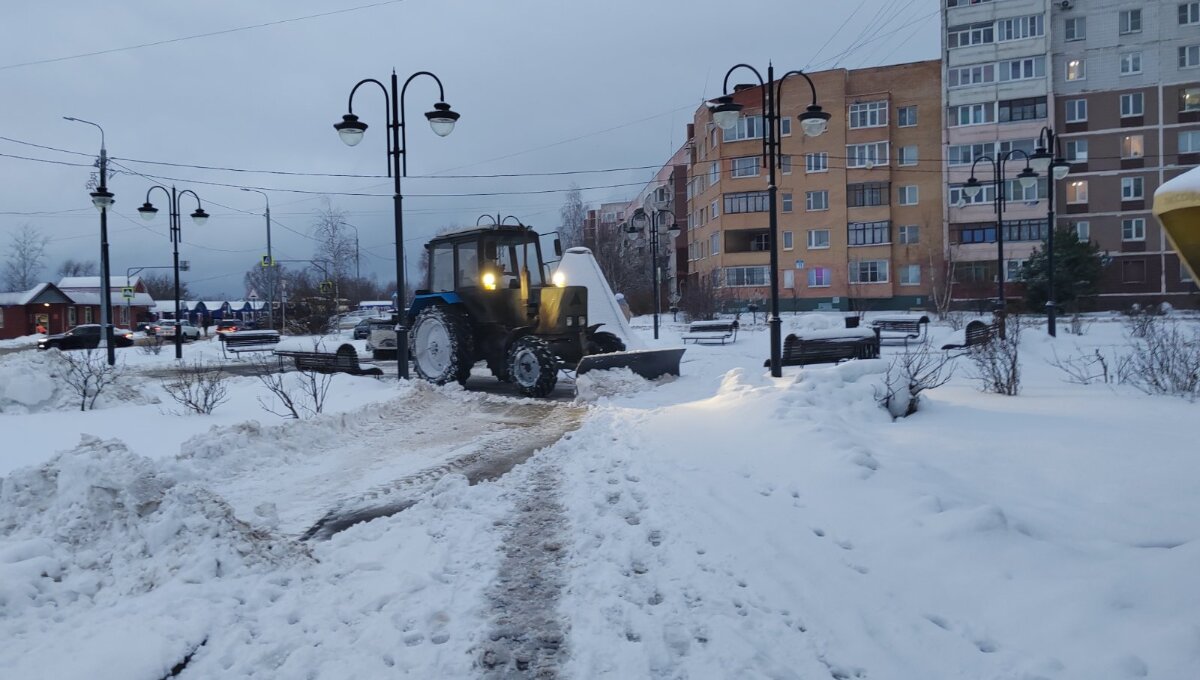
(127, 292)
(266, 261)
(185, 265)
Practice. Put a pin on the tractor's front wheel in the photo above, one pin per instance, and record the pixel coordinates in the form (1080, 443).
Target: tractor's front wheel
(441, 345)
(532, 367)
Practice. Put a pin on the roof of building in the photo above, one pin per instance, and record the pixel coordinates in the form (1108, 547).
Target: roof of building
(93, 282)
(83, 297)
(23, 297)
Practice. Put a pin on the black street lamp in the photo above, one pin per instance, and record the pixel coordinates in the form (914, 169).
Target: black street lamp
(102, 198)
(813, 122)
(351, 129)
(1028, 178)
(268, 262)
(1048, 157)
(199, 217)
(641, 222)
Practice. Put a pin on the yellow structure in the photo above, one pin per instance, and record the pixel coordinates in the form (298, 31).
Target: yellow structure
(1177, 207)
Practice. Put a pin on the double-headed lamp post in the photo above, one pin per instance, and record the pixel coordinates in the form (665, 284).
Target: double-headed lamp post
(148, 211)
(269, 263)
(1047, 157)
(651, 223)
(1028, 178)
(102, 198)
(351, 129)
(813, 122)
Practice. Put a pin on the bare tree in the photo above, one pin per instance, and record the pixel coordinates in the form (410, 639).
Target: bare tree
(626, 266)
(26, 258)
(71, 267)
(161, 287)
(573, 214)
(335, 244)
(87, 373)
(941, 283)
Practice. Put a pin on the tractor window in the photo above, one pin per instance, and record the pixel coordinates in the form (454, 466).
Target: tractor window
(441, 267)
(468, 265)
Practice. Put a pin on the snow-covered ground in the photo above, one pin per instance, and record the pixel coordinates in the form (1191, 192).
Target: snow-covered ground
(723, 524)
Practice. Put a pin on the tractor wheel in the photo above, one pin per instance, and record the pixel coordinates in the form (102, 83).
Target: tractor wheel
(442, 346)
(532, 366)
(604, 342)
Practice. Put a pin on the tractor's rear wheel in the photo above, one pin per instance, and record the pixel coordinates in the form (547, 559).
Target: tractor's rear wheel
(532, 367)
(442, 347)
(604, 342)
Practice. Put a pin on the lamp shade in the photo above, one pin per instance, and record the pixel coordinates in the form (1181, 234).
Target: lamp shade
(674, 229)
(102, 198)
(147, 211)
(442, 119)
(632, 232)
(351, 129)
(972, 188)
(199, 217)
(1060, 168)
(725, 113)
(814, 121)
(1028, 177)
(1040, 160)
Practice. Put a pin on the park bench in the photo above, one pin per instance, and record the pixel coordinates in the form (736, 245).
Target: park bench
(712, 331)
(976, 333)
(236, 342)
(902, 328)
(829, 347)
(344, 360)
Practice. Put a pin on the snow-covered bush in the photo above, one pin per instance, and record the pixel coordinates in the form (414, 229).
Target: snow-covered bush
(1165, 358)
(87, 374)
(911, 373)
(199, 387)
(997, 363)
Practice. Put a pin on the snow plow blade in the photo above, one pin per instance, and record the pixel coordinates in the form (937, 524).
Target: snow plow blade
(648, 363)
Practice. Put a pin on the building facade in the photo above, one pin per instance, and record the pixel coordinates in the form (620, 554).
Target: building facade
(860, 206)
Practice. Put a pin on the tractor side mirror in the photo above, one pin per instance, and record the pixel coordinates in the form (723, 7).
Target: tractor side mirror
(557, 248)
(489, 251)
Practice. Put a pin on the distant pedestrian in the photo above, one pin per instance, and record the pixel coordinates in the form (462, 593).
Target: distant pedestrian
(205, 321)
(40, 328)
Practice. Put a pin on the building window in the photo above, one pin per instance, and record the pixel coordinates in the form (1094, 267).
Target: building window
(906, 116)
(1129, 21)
(1012, 270)
(1083, 230)
(1131, 189)
(746, 166)
(869, 271)
(1189, 141)
(906, 155)
(714, 243)
(748, 127)
(869, 233)
(1, 318)
(816, 200)
(747, 201)
(1076, 69)
(1076, 110)
(746, 276)
(1189, 99)
(818, 239)
(1131, 63)
(1023, 69)
(1075, 29)
(1189, 13)
(1077, 151)
(816, 162)
(910, 234)
(787, 240)
(714, 173)
(1133, 229)
(1132, 105)
(1189, 56)
(1019, 28)
(1133, 271)
(971, 34)
(965, 154)
(1077, 191)
(71, 316)
(979, 74)
(910, 275)
(908, 195)
(959, 198)
(818, 277)
(712, 210)
(867, 194)
(972, 114)
(785, 164)
(787, 201)
(1031, 108)
(785, 127)
(1133, 146)
(868, 114)
(1025, 145)
(789, 278)
(760, 243)
(87, 315)
(866, 155)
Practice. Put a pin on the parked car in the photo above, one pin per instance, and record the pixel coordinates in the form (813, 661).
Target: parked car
(362, 330)
(381, 342)
(167, 330)
(234, 325)
(86, 336)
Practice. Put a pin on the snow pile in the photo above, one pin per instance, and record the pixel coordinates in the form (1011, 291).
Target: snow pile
(597, 385)
(33, 383)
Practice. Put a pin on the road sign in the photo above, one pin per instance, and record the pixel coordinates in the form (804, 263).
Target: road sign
(253, 295)
(127, 292)
(327, 286)
(266, 261)
(185, 265)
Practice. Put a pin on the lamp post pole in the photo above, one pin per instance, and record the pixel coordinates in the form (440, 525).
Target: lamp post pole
(652, 222)
(270, 263)
(102, 198)
(813, 121)
(148, 211)
(1047, 158)
(351, 130)
(972, 188)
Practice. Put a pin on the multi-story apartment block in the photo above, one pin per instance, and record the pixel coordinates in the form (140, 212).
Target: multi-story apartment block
(860, 207)
(1119, 81)
(667, 192)
(601, 223)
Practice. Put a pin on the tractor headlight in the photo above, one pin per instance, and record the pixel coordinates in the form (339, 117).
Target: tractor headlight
(570, 320)
(489, 281)
(559, 279)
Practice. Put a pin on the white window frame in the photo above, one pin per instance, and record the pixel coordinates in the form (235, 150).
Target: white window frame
(788, 243)
(1012, 270)
(1080, 26)
(973, 114)
(714, 243)
(877, 268)
(785, 164)
(739, 167)
(1129, 21)
(714, 210)
(1193, 141)
(714, 173)
(816, 162)
(1133, 146)
(1077, 151)
(763, 270)
(1133, 105)
(869, 155)
(909, 234)
(1131, 63)
(786, 201)
(906, 274)
(747, 127)
(906, 116)
(908, 194)
(785, 127)
(1020, 28)
(907, 156)
(815, 239)
(1076, 69)
(1080, 187)
(1073, 109)
(1133, 229)
(868, 114)
(967, 76)
(1083, 230)
(811, 199)
(1133, 189)
(1189, 56)
(1189, 13)
(1025, 68)
(825, 273)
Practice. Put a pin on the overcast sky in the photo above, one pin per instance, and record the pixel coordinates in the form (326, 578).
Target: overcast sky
(543, 86)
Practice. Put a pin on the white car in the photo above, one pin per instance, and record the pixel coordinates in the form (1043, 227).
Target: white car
(166, 329)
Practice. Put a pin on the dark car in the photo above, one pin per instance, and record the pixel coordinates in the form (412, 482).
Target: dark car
(233, 325)
(362, 330)
(86, 336)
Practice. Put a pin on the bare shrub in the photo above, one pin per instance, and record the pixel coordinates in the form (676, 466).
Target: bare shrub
(702, 300)
(153, 347)
(1078, 324)
(956, 320)
(1164, 359)
(997, 363)
(198, 387)
(296, 394)
(87, 373)
(1138, 319)
(1085, 369)
(911, 373)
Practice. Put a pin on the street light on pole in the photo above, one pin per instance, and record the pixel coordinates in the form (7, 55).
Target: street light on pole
(1047, 157)
(269, 263)
(1028, 178)
(102, 198)
(351, 129)
(641, 222)
(148, 211)
(813, 122)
